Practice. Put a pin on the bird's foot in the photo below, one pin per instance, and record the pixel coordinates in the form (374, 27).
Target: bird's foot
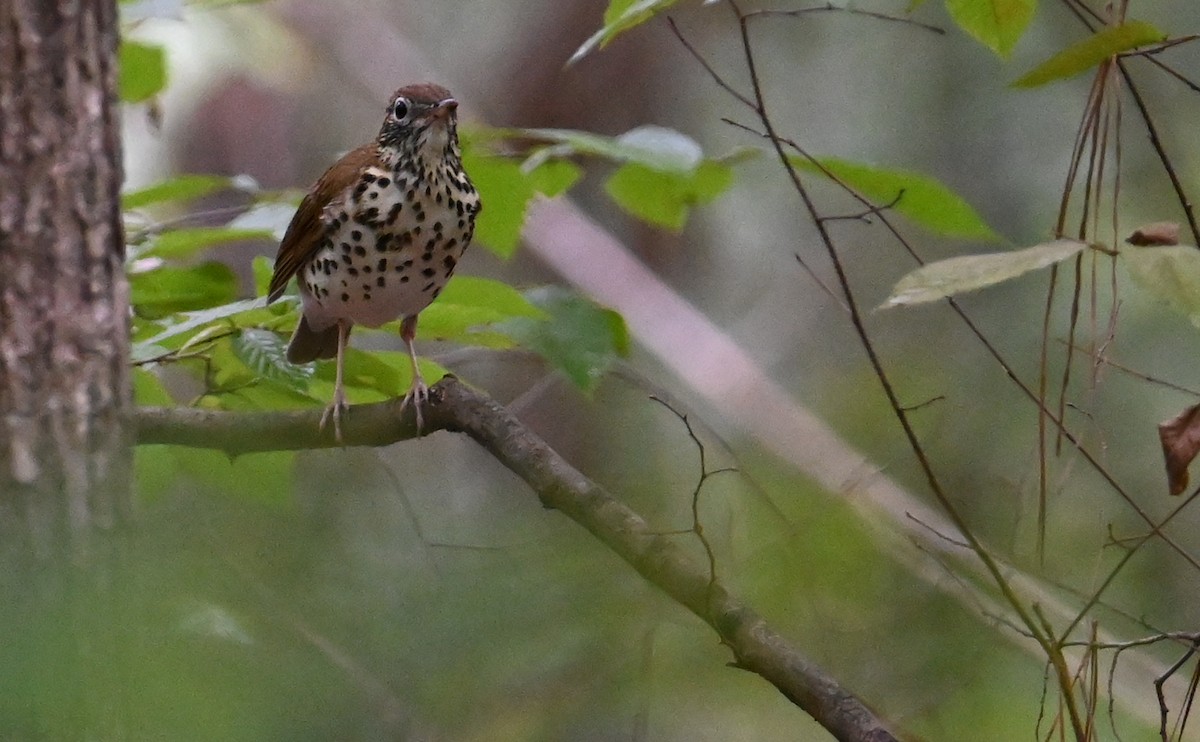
(418, 395)
(335, 410)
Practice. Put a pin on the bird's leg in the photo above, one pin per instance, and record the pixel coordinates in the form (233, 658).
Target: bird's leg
(338, 405)
(418, 393)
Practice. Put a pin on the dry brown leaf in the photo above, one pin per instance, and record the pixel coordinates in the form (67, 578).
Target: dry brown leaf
(1155, 234)
(1180, 437)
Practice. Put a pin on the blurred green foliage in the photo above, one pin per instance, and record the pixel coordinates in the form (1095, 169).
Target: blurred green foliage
(419, 593)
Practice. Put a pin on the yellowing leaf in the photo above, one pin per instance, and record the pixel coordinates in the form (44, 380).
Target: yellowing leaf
(1086, 54)
(969, 272)
(1171, 274)
(997, 24)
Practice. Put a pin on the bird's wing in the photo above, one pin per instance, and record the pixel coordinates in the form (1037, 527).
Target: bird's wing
(304, 234)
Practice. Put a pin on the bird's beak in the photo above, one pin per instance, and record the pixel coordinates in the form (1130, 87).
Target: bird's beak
(443, 108)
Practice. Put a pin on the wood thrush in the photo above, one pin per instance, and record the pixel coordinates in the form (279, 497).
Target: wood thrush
(378, 236)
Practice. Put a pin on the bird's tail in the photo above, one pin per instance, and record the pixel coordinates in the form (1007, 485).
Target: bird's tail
(310, 345)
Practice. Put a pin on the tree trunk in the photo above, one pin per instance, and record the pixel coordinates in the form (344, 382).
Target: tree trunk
(65, 399)
(64, 380)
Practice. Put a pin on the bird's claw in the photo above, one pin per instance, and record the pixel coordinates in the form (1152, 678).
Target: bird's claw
(335, 410)
(418, 395)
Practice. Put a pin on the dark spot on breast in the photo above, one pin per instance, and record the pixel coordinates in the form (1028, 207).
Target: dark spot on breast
(369, 177)
(428, 286)
(345, 296)
(345, 247)
(394, 212)
(451, 243)
(356, 235)
(420, 215)
(427, 256)
(438, 198)
(437, 291)
(366, 269)
(384, 182)
(360, 251)
(428, 272)
(352, 271)
(346, 259)
(404, 279)
(381, 265)
(437, 226)
(449, 261)
(380, 282)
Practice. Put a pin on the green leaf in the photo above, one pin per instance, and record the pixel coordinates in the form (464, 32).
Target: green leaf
(182, 243)
(143, 70)
(179, 188)
(193, 320)
(148, 389)
(265, 353)
(553, 178)
(262, 394)
(1170, 274)
(1090, 52)
(373, 376)
(166, 289)
(969, 272)
(506, 189)
(581, 339)
(664, 198)
(263, 268)
(260, 477)
(620, 16)
(468, 310)
(656, 147)
(997, 24)
(921, 198)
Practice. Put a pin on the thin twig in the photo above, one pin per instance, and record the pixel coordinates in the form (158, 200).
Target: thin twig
(851, 11)
(698, 528)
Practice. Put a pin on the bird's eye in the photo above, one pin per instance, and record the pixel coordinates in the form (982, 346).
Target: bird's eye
(400, 108)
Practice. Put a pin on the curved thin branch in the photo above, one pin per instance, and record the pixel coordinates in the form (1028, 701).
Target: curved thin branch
(455, 407)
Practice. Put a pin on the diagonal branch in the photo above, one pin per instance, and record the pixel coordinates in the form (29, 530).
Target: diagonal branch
(455, 407)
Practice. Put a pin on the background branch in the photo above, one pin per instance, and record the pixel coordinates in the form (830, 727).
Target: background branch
(457, 408)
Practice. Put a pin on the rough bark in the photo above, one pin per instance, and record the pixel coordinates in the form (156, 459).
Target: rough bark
(65, 400)
(64, 391)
